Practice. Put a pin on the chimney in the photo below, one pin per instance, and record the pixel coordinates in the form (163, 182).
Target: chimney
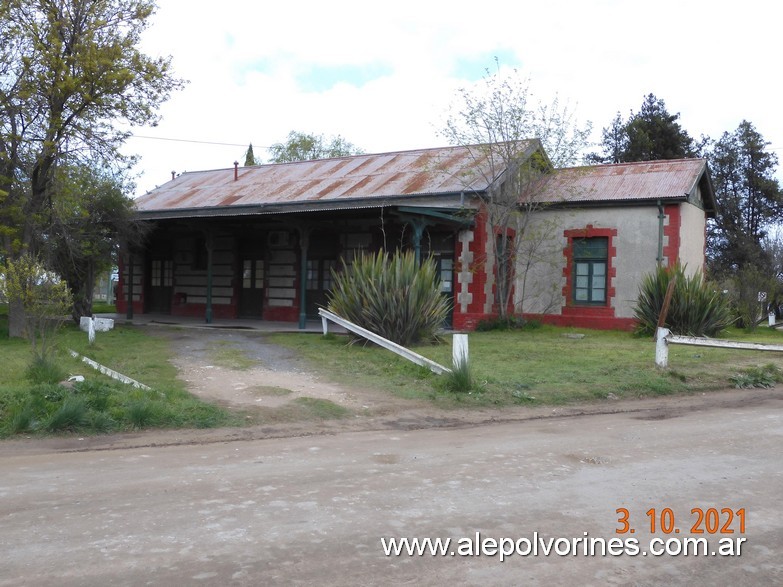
(236, 170)
(173, 175)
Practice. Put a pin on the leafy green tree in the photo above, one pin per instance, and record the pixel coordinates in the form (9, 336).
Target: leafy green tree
(91, 216)
(301, 146)
(648, 135)
(749, 201)
(250, 158)
(522, 142)
(614, 142)
(72, 79)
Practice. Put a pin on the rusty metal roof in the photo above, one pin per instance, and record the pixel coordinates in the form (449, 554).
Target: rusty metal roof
(628, 182)
(396, 177)
(386, 175)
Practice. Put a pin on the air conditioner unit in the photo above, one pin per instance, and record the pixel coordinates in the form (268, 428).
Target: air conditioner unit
(278, 239)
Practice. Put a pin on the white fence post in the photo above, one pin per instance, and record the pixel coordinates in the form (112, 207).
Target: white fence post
(662, 348)
(91, 331)
(459, 350)
(771, 319)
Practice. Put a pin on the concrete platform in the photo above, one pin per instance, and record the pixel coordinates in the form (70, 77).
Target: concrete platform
(312, 326)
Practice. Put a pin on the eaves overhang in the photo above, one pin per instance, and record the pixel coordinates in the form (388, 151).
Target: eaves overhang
(444, 200)
(614, 203)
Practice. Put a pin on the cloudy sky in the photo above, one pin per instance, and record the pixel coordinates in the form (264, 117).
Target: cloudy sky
(382, 74)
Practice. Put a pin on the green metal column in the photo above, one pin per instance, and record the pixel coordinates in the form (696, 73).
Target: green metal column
(418, 232)
(304, 243)
(209, 245)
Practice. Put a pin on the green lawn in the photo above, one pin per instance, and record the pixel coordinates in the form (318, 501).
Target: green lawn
(544, 366)
(541, 366)
(99, 404)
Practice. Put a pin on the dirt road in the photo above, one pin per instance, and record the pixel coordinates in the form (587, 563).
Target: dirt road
(313, 510)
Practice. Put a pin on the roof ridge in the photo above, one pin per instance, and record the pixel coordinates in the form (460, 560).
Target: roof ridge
(380, 154)
(633, 163)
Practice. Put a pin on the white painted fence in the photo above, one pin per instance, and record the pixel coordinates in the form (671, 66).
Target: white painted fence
(110, 372)
(386, 343)
(664, 337)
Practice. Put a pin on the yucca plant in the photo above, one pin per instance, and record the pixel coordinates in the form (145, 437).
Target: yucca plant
(391, 295)
(696, 308)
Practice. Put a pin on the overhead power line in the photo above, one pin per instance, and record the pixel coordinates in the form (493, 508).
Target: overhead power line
(194, 141)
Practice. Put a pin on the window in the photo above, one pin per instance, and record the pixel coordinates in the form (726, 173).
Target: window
(319, 274)
(161, 273)
(446, 272)
(253, 274)
(590, 256)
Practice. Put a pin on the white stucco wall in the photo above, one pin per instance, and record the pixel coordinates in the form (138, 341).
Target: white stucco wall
(636, 244)
(692, 238)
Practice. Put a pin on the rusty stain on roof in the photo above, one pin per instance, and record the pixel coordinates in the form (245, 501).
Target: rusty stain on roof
(386, 175)
(646, 180)
(423, 172)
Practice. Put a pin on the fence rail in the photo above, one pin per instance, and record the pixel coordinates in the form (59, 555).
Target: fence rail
(384, 342)
(664, 338)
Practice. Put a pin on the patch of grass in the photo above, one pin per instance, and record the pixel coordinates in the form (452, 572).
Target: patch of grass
(459, 379)
(301, 409)
(20, 419)
(227, 354)
(70, 415)
(538, 367)
(269, 390)
(321, 409)
(99, 404)
(44, 371)
(140, 413)
(103, 308)
(766, 376)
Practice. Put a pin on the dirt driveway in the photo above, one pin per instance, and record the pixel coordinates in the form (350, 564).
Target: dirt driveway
(260, 507)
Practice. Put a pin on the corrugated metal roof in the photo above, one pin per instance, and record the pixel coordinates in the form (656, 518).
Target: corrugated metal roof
(407, 173)
(647, 180)
(363, 180)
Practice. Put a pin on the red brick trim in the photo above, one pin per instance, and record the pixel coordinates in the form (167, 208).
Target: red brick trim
(672, 233)
(591, 316)
(595, 322)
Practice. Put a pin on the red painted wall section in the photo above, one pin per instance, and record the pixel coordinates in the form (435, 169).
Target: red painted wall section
(671, 231)
(290, 314)
(121, 294)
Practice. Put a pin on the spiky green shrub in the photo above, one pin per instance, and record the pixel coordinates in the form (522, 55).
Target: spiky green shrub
(391, 296)
(696, 308)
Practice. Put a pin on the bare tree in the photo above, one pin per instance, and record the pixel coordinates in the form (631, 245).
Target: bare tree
(516, 143)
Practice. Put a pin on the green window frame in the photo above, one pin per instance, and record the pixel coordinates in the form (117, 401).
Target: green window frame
(590, 264)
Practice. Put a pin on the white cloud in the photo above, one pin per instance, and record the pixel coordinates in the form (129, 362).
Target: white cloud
(382, 75)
